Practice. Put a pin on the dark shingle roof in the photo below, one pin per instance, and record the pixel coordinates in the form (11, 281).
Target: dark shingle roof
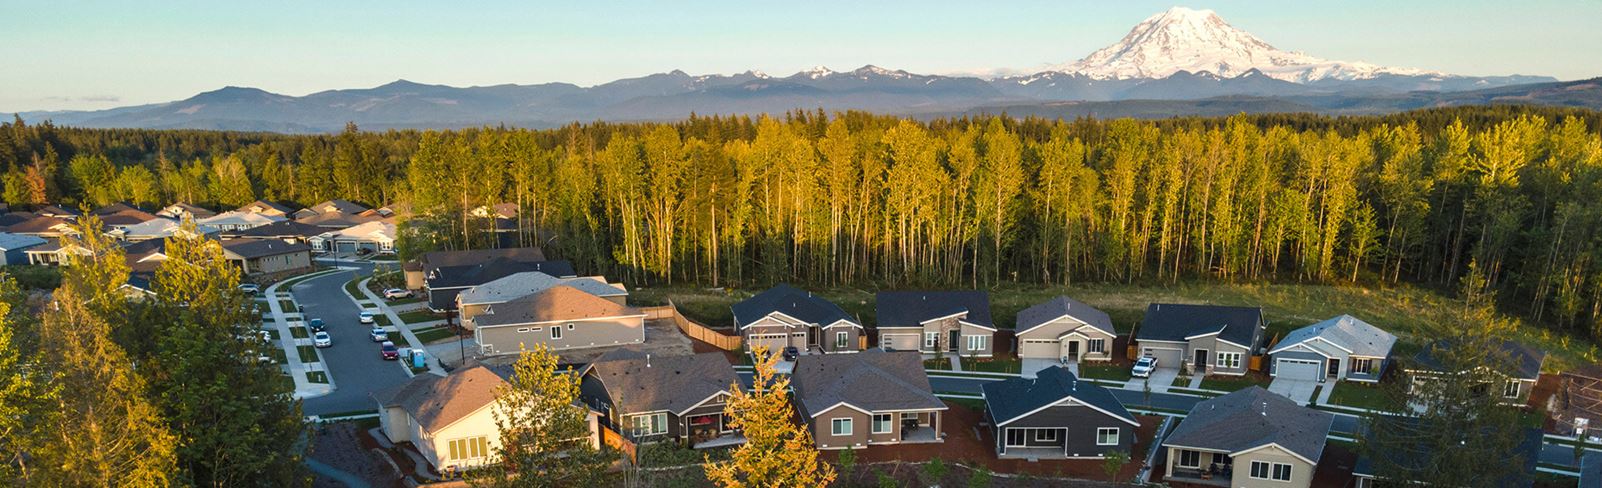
(911, 308)
(126, 218)
(673, 383)
(255, 248)
(791, 301)
(14, 218)
(36, 225)
(440, 259)
(1059, 306)
(494, 269)
(1252, 418)
(1007, 400)
(1526, 360)
(114, 208)
(1529, 452)
(557, 303)
(287, 228)
(1175, 322)
(1591, 471)
(436, 401)
(269, 207)
(871, 380)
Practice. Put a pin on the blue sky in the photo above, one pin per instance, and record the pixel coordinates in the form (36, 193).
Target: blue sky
(68, 54)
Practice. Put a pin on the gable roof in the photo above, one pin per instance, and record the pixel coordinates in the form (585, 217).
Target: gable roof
(1016, 397)
(113, 208)
(177, 210)
(239, 217)
(1526, 361)
(1059, 307)
(338, 206)
(373, 231)
(1174, 322)
(336, 220)
(267, 208)
(790, 301)
(40, 224)
(56, 211)
(638, 382)
(1591, 471)
(438, 259)
(530, 282)
(438, 401)
(1252, 418)
(912, 308)
(13, 218)
(872, 380)
(558, 303)
(1345, 331)
(255, 248)
(280, 229)
(11, 242)
(126, 218)
(493, 269)
(159, 228)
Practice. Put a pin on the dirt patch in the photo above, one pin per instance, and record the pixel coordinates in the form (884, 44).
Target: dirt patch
(346, 447)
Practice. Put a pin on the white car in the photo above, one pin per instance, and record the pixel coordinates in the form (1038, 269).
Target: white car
(249, 288)
(322, 339)
(379, 335)
(366, 317)
(397, 293)
(1144, 366)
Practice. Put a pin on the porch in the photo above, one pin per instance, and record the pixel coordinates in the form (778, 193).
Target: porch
(710, 430)
(1212, 474)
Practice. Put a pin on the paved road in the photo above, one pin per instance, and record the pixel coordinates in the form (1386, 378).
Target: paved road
(353, 361)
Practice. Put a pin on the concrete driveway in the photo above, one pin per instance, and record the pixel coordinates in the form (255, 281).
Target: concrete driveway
(1159, 380)
(1299, 391)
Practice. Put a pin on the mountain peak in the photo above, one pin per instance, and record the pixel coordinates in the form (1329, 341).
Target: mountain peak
(816, 72)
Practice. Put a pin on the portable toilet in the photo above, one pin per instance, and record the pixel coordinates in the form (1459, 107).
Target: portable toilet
(419, 359)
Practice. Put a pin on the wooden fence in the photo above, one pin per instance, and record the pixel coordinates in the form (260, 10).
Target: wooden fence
(691, 328)
(617, 441)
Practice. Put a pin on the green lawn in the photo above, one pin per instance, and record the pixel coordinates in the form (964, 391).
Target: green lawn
(432, 334)
(419, 316)
(1110, 372)
(317, 377)
(942, 364)
(278, 355)
(1232, 383)
(379, 318)
(1180, 381)
(308, 354)
(997, 365)
(299, 332)
(399, 340)
(1358, 395)
(405, 301)
(273, 333)
(350, 287)
(286, 305)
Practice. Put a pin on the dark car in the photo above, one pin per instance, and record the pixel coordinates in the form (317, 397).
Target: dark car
(790, 353)
(389, 351)
(316, 325)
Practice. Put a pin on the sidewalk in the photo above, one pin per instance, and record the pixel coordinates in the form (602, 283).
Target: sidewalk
(304, 388)
(396, 324)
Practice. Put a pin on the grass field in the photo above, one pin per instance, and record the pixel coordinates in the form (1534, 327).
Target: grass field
(351, 288)
(299, 332)
(419, 316)
(308, 354)
(1406, 311)
(1233, 383)
(432, 334)
(1358, 395)
(1104, 372)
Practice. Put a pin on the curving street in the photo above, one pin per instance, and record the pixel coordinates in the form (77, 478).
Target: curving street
(353, 362)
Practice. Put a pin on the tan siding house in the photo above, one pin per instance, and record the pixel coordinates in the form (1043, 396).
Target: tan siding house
(950, 322)
(872, 398)
(786, 316)
(560, 317)
(1249, 438)
(1065, 330)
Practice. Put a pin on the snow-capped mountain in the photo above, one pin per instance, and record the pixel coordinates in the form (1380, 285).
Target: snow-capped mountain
(1183, 39)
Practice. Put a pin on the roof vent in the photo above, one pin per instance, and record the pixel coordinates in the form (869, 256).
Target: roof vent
(647, 360)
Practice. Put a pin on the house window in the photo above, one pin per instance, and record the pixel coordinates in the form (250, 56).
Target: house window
(1016, 437)
(1107, 436)
(840, 339)
(881, 423)
(1229, 360)
(978, 343)
(522, 330)
(1511, 389)
(1097, 346)
(840, 427)
(469, 448)
(650, 424)
(1263, 470)
(556, 332)
(1363, 366)
(1282, 472)
(931, 340)
(1045, 435)
(1189, 459)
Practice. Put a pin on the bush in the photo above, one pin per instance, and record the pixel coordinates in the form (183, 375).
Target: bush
(34, 277)
(979, 479)
(934, 472)
(886, 481)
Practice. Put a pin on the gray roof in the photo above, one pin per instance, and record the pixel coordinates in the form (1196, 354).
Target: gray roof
(280, 229)
(437, 259)
(1345, 331)
(1591, 471)
(1007, 400)
(911, 308)
(557, 303)
(674, 383)
(531, 282)
(790, 301)
(871, 380)
(11, 242)
(1175, 322)
(437, 401)
(255, 248)
(1252, 418)
(1526, 361)
(1060, 306)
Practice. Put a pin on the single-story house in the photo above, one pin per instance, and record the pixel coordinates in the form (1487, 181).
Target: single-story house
(1590, 471)
(1520, 364)
(444, 283)
(44, 226)
(52, 253)
(450, 419)
(786, 316)
(662, 398)
(271, 209)
(474, 300)
(376, 236)
(418, 269)
(871, 398)
(1065, 330)
(1341, 348)
(561, 317)
(267, 256)
(9, 219)
(1056, 416)
(1209, 339)
(1528, 452)
(287, 231)
(1249, 438)
(13, 247)
(156, 229)
(238, 220)
(955, 322)
(120, 215)
(335, 206)
(179, 211)
(57, 211)
(114, 208)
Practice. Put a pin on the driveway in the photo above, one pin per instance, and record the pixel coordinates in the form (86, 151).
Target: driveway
(1299, 391)
(353, 361)
(1160, 380)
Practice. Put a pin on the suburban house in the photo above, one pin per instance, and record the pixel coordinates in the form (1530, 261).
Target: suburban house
(474, 300)
(1065, 330)
(871, 398)
(267, 256)
(113, 208)
(156, 229)
(662, 398)
(336, 214)
(43, 226)
(1527, 455)
(330, 207)
(442, 284)
(954, 322)
(375, 236)
(13, 248)
(180, 211)
(1520, 364)
(238, 220)
(54, 252)
(450, 419)
(143, 259)
(57, 211)
(1249, 438)
(271, 209)
(1210, 339)
(1577, 409)
(786, 316)
(418, 269)
(9, 219)
(120, 215)
(561, 317)
(287, 231)
(1056, 416)
(1341, 348)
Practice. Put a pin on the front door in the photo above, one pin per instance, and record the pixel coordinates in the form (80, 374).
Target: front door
(1334, 367)
(1200, 366)
(1073, 350)
(955, 336)
(812, 337)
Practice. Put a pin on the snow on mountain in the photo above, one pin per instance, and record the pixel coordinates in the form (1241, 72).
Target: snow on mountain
(1183, 39)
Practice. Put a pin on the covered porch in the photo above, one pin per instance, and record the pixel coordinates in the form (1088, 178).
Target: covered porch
(710, 430)
(1200, 467)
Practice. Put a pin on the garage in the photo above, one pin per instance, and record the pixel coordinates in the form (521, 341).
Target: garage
(1166, 358)
(1297, 369)
(1038, 349)
(773, 342)
(898, 342)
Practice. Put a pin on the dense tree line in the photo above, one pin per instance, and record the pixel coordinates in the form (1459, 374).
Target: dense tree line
(857, 198)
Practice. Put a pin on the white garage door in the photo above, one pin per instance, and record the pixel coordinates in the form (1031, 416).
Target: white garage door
(898, 342)
(773, 342)
(1038, 349)
(1296, 369)
(1166, 358)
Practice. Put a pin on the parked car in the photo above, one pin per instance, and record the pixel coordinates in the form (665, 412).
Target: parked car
(250, 288)
(397, 293)
(790, 353)
(266, 336)
(388, 350)
(379, 335)
(322, 339)
(316, 325)
(1144, 366)
(365, 317)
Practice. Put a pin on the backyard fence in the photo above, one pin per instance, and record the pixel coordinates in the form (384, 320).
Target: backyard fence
(615, 440)
(692, 329)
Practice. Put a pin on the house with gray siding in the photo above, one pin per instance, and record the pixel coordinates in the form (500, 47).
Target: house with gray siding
(852, 401)
(1057, 416)
(472, 301)
(1518, 367)
(786, 316)
(561, 317)
(662, 398)
(1341, 348)
(950, 322)
(1250, 438)
(1591, 471)
(13, 247)
(1366, 473)
(1208, 339)
(1065, 330)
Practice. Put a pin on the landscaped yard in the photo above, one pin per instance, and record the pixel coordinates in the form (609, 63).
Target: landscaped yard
(379, 318)
(405, 301)
(286, 305)
(1359, 395)
(308, 354)
(942, 364)
(1110, 372)
(996, 365)
(297, 332)
(432, 334)
(317, 377)
(419, 316)
(1233, 383)
(350, 287)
